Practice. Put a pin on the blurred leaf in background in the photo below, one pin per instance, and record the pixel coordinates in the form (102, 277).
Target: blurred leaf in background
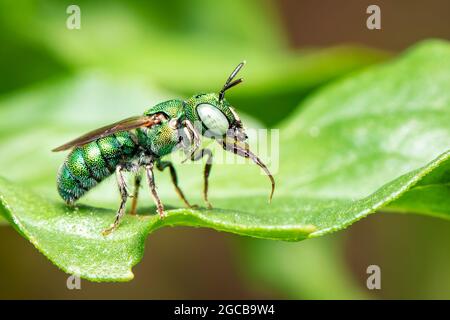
(185, 48)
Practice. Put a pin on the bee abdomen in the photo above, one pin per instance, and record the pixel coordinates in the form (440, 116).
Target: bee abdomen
(88, 165)
(69, 187)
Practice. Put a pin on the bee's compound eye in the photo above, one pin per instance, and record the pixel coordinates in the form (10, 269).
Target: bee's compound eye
(213, 119)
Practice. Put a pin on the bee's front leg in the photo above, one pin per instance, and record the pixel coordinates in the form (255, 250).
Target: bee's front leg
(193, 139)
(151, 183)
(123, 195)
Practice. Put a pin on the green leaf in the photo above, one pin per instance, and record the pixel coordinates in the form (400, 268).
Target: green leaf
(72, 239)
(351, 149)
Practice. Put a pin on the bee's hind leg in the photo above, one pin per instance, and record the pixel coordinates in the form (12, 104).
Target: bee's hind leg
(161, 165)
(123, 195)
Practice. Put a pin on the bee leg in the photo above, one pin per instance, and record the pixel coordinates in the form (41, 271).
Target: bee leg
(161, 165)
(245, 152)
(193, 138)
(137, 184)
(206, 172)
(151, 183)
(124, 196)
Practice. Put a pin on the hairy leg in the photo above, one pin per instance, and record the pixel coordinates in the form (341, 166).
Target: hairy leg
(123, 195)
(206, 172)
(151, 183)
(161, 165)
(137, 184)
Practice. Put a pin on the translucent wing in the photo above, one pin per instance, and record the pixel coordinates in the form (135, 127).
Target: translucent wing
(123, 125)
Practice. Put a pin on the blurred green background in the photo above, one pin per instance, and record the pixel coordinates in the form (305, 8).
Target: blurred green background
(129, 55)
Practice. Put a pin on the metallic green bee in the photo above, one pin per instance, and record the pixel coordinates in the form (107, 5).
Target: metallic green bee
(140, 142)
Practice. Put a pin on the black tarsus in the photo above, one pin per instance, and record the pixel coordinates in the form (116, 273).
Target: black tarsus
(206, 172)
(161, 165)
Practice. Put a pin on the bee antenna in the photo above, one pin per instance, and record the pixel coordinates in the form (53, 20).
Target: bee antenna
(229, 83)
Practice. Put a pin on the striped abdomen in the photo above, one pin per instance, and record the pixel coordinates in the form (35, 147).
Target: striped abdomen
(88, 165)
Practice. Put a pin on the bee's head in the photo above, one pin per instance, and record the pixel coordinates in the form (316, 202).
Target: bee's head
(217, 119)
(216, 116)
